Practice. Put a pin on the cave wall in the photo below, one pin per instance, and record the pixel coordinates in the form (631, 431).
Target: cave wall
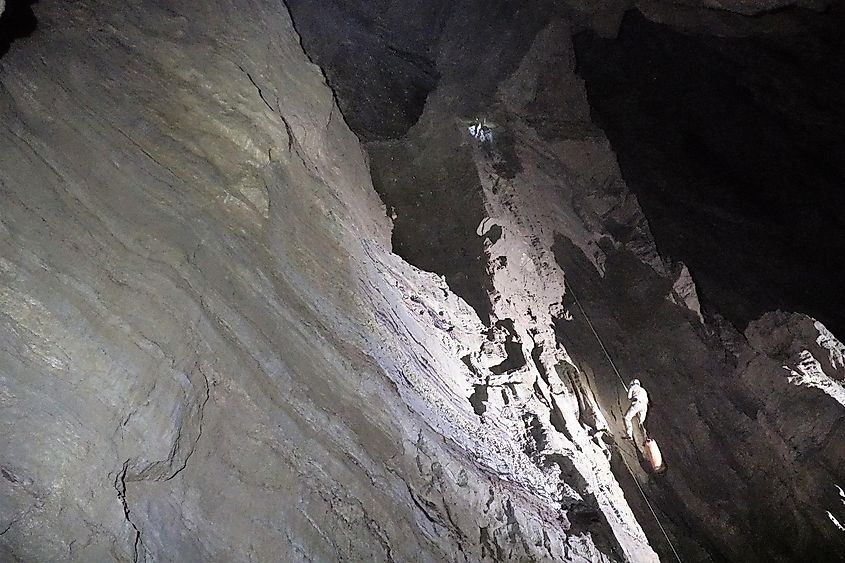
(211, 352)
(208, 352)
(382, 73)
(749, 471)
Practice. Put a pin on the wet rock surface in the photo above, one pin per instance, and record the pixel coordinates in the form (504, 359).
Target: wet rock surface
(235, 328)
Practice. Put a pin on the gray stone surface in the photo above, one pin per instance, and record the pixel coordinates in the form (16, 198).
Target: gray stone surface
(208, 352)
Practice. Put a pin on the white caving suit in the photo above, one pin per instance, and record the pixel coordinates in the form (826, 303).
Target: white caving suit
(639, 407)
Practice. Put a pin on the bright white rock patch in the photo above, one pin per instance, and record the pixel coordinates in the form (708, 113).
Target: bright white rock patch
(810, 372)
(835, 347)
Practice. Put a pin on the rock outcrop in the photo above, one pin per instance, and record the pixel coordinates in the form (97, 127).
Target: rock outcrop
(209, 350)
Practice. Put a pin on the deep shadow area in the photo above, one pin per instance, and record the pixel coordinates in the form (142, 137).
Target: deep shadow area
(378, 59)
(432, 186)
(16, 22)
(513, 348)
(735, 150)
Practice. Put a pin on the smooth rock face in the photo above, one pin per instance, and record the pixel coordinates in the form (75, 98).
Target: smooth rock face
(209, 351)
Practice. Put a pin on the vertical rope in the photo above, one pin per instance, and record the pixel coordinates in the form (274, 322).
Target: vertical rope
(596, 334)
(568, 286)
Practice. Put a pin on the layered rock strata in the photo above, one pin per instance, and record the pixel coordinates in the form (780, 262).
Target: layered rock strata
(210, 351)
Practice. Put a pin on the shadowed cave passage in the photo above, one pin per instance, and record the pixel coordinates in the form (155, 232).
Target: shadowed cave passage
(433, 188)
(734, 148)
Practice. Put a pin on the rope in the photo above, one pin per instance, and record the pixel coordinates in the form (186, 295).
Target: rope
(568, 286)
(651, 509)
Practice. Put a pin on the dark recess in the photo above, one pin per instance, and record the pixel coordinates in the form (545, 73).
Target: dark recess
(378, 59)
(17, 21)
(513, 348)
(433, 187)
(735, 149)
(478, 399)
